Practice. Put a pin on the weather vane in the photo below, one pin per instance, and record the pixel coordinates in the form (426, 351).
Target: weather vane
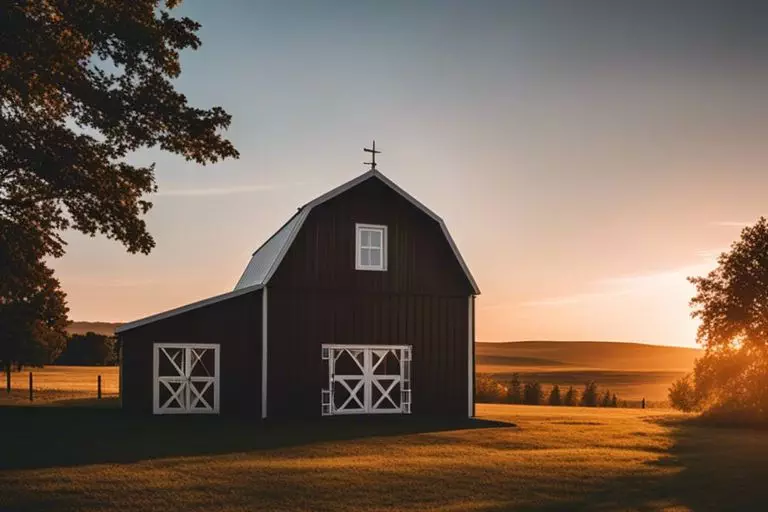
(373, 152)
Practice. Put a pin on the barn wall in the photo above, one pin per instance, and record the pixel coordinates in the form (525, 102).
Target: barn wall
(420, 260)
(316, 296)
(234, 323)
(435, 326)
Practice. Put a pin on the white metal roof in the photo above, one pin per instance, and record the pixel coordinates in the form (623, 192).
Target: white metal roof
(267, 258)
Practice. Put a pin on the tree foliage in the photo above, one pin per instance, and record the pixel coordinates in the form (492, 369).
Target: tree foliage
(83, 85)
(89, 349)
(532, 393)
(683, 395)
(590, 397)
(515, 390)
(731, 303)
(571, 397)
(554, 396)
(488, 389)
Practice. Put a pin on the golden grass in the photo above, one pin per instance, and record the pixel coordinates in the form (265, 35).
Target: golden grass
(554, 459)
(56, 383)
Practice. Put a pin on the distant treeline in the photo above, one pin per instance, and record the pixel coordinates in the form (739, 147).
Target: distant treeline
(89, 349)
(515, 391)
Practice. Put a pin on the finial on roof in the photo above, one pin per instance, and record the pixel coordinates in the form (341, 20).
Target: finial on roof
(373, 152)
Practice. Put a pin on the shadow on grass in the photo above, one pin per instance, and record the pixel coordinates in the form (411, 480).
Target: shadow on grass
(705, 468)
(44, 437)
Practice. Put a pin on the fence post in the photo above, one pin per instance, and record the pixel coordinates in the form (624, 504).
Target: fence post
(99, 388)
(30, 386)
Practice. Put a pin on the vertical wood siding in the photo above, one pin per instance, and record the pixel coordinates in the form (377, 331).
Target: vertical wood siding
(317, 296)
(300, 323)
(235, 324)
(420, 260)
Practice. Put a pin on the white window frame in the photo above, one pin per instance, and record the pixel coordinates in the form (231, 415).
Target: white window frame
(359, 228)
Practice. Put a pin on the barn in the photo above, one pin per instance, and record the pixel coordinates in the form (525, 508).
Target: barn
(359, 304)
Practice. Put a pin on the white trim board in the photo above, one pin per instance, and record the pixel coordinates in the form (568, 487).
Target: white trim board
(264, 358)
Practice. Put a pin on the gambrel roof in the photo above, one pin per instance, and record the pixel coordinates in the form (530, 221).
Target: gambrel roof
(265, 261)
(267, 258)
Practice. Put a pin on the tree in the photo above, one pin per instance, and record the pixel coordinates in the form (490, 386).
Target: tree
(514, 390)
(554, 396)
(488, 390)
(590, 397)
(89, 349)
(571, 397)
(32, 306)
(614, 401)
(83, 85)
(532, 393)
(606, 401)
(731, 303)
(682, 394)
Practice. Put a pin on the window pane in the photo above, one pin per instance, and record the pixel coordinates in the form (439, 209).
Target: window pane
(376, 257)
(365, 238)
(365, 257)
(376, 238)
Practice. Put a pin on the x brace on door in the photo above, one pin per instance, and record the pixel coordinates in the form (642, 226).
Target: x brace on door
(367, 379)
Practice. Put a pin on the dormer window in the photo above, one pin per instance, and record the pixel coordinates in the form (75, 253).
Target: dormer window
(371, 247)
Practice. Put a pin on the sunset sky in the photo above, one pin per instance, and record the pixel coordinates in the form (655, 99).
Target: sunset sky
(586, 157)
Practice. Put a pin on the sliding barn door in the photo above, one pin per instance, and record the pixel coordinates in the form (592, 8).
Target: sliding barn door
(367, 379)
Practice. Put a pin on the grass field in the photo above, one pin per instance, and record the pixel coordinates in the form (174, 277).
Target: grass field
(59, 383)
(632, 370)
(513, 457)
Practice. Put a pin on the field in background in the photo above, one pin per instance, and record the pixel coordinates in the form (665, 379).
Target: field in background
(60, 383)
(554, 459)
(631, 370)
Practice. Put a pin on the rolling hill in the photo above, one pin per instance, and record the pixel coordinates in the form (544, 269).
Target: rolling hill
(105, 328)
(632, 370)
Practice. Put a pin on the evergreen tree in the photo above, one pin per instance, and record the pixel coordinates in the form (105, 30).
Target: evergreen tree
(571, 397)
(614, 401)
(532, 393)
(515, 390)
(606, 402)
(554, 396)
(590, 397)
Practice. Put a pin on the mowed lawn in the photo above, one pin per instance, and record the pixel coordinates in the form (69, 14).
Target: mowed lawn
(60, 383)
(512, 457)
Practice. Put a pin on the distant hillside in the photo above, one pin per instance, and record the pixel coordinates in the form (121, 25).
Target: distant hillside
(602, 355)
(105, 328)
(633, 370)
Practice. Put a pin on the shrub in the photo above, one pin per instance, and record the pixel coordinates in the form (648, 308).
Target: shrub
(487, 389)
(683, 396)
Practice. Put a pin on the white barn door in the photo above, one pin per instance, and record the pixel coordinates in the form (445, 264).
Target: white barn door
(186, 378)
(367, 379)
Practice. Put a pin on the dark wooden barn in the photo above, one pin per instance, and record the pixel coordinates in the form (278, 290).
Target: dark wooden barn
(359, 304)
